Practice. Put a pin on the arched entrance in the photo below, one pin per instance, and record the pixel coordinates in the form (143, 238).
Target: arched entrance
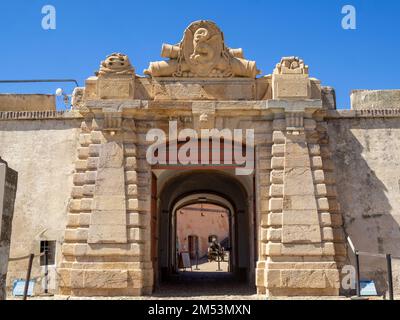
(179, 188)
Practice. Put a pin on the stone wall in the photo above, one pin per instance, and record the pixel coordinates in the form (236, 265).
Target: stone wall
(27, 102)
(367, 160)
(43, 152)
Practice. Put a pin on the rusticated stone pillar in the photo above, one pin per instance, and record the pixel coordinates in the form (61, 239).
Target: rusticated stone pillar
(105, 250)
(299, 255)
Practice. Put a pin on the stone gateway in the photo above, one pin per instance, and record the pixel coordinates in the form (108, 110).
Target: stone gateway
(88, 191)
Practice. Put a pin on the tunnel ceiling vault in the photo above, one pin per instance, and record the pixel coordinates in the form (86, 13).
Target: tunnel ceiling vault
(182, 184)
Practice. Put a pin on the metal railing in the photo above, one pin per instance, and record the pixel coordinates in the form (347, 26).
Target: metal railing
(388, 257)
(29, 270)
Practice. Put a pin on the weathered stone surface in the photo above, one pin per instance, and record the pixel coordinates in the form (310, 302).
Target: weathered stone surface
(375, 99)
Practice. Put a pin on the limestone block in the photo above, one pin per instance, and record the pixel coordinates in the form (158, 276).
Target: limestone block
(318, 176)
(278, 150)
(338, 235)
(264, 164)
(144, 205)
(263, 152)
(79, 179)
(264, 205)
(115, 87)
(130, 163)
(85, 139)
(278, 137)
(86, 204)
(278, 125)
(84, 219)
(325, 152)
(316, 163)
(83, 152)
(310, 124)
(78, 234)
(331, 191)
(314, 279)
(277, 163)
(77, 192)
(132, 190)
(275, 219)
(96, 137)
(286, 86)
(276, 190)
(300, 202)
(135, 234)
(328, 249)
(328, 165)
(130, 149)
(314, 149)
(131, 177)
(104, 234)
(300, 217)
(340, 249)
(73, 220)
(302, 249)
(275, 204)
(135, 219)
(327, 234)
(90, 177)
(321, 190)
(88, 190)
(273, 249)
(264, 192)
(108, 217)
(325, 218)
(92, 163)
(75, 205)
(274, 234)
(301, 233)
(94, 150)
(277, 177)
(323, 204)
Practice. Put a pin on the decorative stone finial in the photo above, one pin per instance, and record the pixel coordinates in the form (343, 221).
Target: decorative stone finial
(202, 53)
(291, 65)
(116, 64)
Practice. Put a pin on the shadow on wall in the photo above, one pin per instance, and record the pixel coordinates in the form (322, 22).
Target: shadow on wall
(367, 159)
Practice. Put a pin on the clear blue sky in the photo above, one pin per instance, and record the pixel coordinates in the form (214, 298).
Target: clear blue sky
(88, 30)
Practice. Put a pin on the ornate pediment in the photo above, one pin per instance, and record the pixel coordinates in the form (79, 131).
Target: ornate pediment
(202, 53)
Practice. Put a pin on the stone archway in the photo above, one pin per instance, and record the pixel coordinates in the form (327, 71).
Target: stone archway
(179, 187)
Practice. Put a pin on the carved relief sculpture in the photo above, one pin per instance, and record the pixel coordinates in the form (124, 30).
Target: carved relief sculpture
(291, 65)
(116, 64)
(202, 53)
